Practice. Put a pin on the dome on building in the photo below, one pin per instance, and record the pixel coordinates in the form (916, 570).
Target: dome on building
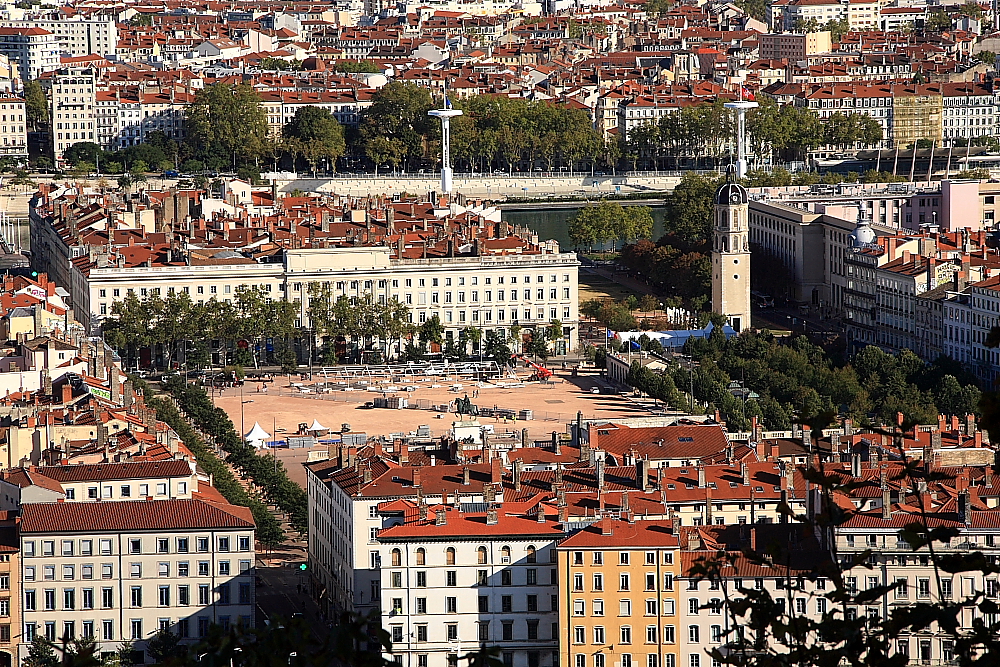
(731, 192)
(863, 235)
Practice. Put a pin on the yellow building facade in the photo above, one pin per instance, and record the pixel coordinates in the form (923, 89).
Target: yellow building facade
(618, 597)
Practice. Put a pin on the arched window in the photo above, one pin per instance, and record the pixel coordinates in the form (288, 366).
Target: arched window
(482, 555)
(397, 558)
(420, 556)
(449, 555)
(531, 554)
(505, 555)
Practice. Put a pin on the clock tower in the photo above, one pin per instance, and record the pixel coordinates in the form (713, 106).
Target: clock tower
(731, 253)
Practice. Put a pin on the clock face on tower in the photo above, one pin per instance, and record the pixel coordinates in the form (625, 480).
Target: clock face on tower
(735, 198)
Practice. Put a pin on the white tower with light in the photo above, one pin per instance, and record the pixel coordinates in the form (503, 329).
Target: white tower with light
(741, 107)
(445, 115)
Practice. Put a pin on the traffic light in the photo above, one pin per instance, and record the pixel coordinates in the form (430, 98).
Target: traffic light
(303, 566)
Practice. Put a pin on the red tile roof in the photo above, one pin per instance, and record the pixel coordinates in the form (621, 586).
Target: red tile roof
(111, 471)
(24, 477)
(637, 535)
(133, 515)
(473, 526)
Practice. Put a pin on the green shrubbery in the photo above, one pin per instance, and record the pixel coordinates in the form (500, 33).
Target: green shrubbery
(267, 473)
(269, 531)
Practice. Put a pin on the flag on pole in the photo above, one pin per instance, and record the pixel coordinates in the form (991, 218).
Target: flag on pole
(746, 94)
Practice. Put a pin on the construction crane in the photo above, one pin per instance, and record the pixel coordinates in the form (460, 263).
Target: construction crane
(541, 372)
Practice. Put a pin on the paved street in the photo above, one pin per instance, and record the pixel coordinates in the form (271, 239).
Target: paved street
(279, 596)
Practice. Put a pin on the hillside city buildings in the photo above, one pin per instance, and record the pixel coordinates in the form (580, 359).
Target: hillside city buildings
(583, 549)
(621, 65)
(109, 528)
(578, 551)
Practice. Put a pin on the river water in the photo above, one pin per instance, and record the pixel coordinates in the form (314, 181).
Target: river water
(553, 223)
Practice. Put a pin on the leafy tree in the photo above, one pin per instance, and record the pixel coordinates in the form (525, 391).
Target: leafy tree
(988, 57)
(848, 129)
(539, 345)
(806, 25)
(755, 8)
(657, 8)
(225, 123)
(502, 131)
(938, 20)
(971, 9)
(952, 398)
(81, 652)
(355, 67)
(315, 134)
(371, 324)
(383, 150)
(258, 317)
(398, 113)
(701, 131)
(610, 221)
(280, 64)
(36, 106)
(838, 28)
(690, 207)
(41, 653)
(495, 348)
(432, 331)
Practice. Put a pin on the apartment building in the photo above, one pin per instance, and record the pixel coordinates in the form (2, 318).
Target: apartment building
(860, 14)
(13, 129)
(456, 578)
(618, 597)
(119, 571)
(345, 518)
(489, 291)
(897, 285)
(106, 110)
(969, 315)
(706, 583)
(794, 46)
(34, 50)
(73, 102)
(10, 594)
(810, 244)
(136, 480)
(917, 580)
(75, 35)
(909, 112)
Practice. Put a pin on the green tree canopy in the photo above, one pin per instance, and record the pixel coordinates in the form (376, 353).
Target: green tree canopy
(690, 207)
(355, 67)
(610, 221)
(84, 152)
(398, 113)
(847, 129)
(938, 20)
(36, 106)
(225, 124)
(315, 134)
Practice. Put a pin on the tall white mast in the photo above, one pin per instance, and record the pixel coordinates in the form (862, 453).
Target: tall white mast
(741, 107)
(445, 114)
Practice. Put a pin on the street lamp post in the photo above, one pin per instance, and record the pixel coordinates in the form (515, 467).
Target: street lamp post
(243, 429)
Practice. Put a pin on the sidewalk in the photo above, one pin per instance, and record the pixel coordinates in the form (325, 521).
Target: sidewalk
(631, 283)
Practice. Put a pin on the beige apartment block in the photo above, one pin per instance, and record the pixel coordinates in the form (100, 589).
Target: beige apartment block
(119, 571)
